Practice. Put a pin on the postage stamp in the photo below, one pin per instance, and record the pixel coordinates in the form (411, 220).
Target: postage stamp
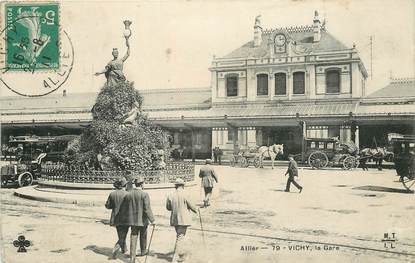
(35, 47)
(32, 36)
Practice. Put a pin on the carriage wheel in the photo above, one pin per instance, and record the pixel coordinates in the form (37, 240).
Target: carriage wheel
(257, 162)
(318, 160)
(408, 183)
(3, 181)
(350, 163)
(25, 179)
(232, 161)
(243, 162)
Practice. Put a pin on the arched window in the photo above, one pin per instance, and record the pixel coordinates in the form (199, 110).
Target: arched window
(262, 84)
(232, 85)
(333, 81)
(299, 83)
(280, 84)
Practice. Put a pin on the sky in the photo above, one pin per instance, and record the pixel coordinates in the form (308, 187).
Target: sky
(173, 42)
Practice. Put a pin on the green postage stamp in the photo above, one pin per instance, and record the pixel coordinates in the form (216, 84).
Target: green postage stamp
(32, 36)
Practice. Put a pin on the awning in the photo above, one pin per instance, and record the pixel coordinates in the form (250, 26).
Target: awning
(283, 111)
(241, 115)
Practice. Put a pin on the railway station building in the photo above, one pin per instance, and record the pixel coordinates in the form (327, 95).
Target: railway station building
(281, 86)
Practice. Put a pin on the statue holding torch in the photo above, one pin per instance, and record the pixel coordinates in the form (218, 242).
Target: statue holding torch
(114, 69)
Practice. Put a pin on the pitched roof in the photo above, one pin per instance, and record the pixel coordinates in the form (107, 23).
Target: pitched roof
(76, 101)
(153, 99)
(382, 109)
(160, 98)
(396, 88)
(303, 36)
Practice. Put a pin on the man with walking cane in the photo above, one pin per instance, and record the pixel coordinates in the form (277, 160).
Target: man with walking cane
(114, 202)
(136, 212)
(208, 176)
(180, 217)
(292, 171)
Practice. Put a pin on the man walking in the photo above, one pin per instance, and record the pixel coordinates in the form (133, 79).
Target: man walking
(215, 155)
(136, 212)
(114, 202)
(208, 176)
(180, 217)
(219, 155)
(292, 171)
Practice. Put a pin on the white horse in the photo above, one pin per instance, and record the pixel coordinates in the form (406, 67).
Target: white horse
(271, 152)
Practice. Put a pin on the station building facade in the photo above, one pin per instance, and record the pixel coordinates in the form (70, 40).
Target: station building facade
(283, 85)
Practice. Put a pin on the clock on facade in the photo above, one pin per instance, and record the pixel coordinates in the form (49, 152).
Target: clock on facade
(280, 40)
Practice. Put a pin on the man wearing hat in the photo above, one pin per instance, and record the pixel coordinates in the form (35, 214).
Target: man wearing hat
(136, 212)
(114, 202)
(292, 171)
(180, 217)
(208, 176)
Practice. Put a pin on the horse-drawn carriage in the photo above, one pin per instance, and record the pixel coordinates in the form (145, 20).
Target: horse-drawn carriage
(245, 158)
(319, 153)
(404, 159)
(255, 155)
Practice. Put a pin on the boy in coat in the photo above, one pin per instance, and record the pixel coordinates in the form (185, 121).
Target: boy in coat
(292, 171)
(114, 202)
(208, 176)
(136, 212)
(180, 217)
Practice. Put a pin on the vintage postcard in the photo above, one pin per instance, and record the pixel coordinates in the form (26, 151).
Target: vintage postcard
(207, 131)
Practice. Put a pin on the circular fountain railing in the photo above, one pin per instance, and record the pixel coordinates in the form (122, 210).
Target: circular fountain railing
(56, 174)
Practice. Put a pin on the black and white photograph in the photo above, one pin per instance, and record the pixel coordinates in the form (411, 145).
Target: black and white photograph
(195, 131)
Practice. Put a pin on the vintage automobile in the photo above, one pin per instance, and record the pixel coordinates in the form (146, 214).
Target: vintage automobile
(404, 159)
(21, 174)
(22, 157)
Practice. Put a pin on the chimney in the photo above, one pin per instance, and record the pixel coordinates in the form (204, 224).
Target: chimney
(257, 31)
(316, 27)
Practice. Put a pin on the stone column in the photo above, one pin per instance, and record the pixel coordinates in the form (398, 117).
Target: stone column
(251, 137)
(193, 145)
(271, 85)
(251, 84)
(357, 136)
(214, 138)
(290, 85)
(213, 85)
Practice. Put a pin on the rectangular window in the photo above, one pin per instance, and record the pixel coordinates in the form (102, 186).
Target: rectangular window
(231, 134)
(299, 83)
(334, 131)
(232, 86)
(280, 84)
(333, 81)
(262, 84)
(321, 145)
